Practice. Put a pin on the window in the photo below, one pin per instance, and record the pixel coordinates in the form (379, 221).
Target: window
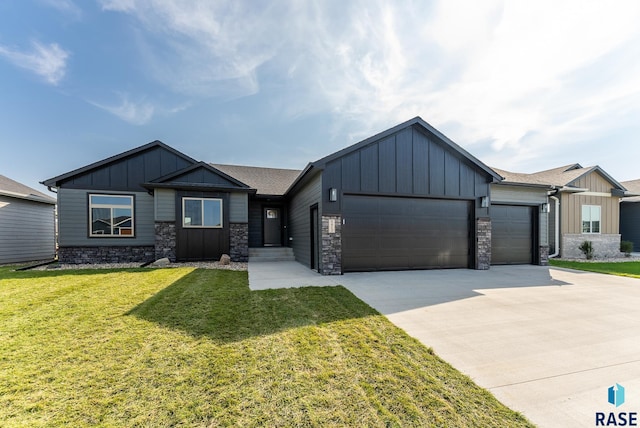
(111, 216)
(201, 212)
(590, 219)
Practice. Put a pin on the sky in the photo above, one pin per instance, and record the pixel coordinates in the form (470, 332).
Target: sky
(522, 85)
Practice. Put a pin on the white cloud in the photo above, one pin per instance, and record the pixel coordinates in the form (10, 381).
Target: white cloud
(47, 61)
(136, 113)
(65, 6)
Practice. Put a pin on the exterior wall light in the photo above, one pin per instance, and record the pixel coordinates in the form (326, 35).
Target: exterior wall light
(544, 208)
(484, 202)
(333, 194)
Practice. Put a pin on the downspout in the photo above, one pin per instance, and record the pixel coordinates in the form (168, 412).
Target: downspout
(557, 223)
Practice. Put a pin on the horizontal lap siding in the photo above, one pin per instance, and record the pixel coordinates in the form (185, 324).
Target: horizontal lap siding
(73, 219)
(239, 208)
(26, 230)
(165, 201)
(300, 218)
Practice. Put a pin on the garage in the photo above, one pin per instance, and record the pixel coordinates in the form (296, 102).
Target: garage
(512, 233)
(394, 233)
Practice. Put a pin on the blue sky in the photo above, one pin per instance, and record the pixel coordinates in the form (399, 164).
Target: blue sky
(524, 86)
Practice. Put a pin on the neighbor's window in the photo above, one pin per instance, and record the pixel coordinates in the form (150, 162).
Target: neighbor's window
(111, 215)
(201, 212)
(590, 219)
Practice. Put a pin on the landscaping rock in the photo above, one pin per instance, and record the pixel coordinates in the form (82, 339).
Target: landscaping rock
(225, 259)
(164, 262)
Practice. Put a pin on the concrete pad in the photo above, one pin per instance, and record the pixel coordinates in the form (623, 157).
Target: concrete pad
(546, 342)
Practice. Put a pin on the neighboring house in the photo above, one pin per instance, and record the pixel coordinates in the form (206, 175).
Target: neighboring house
(407, 198)
(630, 214)
(27, 223)
(583, 206)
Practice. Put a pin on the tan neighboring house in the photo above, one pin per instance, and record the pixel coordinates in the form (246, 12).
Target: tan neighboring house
(584, 205)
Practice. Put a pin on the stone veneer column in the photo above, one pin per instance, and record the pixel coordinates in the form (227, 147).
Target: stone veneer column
(239, 242)
(331, 251)
(165, 244)
(544, 255)
(483, 243)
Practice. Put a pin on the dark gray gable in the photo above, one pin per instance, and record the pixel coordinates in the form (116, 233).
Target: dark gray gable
(126, 171)
(198, 176)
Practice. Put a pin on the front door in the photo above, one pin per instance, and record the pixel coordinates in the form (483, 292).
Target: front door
(272, 227)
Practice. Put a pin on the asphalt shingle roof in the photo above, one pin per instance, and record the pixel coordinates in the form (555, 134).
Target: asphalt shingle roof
(267, 181)
(12, 188)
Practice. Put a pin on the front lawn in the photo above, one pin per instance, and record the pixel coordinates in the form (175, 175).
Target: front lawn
(631, 269)
(166, 347)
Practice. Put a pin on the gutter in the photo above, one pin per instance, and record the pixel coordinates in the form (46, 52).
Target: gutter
(553, 196)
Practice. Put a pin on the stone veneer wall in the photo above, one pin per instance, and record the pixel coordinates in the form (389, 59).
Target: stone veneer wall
(165, 245)
(544, 255)
(483, 243)
(331, 252)
(112, 254)
(604, 246)
(239, 242)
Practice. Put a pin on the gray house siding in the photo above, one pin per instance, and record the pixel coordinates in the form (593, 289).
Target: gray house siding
(239, 208)
(26, 230)
(300, 218)
(408, 163)
(630, 223)
(73, 220)
(165, 204)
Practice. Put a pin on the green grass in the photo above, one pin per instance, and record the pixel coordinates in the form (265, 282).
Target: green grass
(631, 269)
(168, 347)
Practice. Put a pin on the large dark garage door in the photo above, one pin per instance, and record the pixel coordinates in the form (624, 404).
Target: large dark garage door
(385, 233)
(511, 234)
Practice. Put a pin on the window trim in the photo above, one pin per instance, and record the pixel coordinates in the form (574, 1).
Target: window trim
(590, 221)
(193, 198)
(90, 205)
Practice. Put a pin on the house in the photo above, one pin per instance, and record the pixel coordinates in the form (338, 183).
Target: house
(630, 214)
(583, 206)
(407, 198)
(27, 223)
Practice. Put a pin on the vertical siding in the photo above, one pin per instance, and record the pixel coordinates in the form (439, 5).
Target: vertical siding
(409, 162)
(255, 224)
(300, 218)
(165, 204)
(239, 208)
(630, 223)
(73, 219)
(26, 230)
(571, 213)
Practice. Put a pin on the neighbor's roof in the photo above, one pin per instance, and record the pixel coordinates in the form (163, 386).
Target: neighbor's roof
(267, 181)
(561, 176)
(633, 187)
(12, 188)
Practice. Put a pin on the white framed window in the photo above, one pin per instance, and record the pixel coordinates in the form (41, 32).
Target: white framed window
(111, 216)
(591, 218)
(202, 212)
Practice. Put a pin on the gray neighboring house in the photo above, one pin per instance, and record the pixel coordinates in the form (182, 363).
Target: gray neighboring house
(27, 223)
(406, 198)
(630, 214)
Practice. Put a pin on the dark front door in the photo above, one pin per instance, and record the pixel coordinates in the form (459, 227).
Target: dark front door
(512, 234)
(272, 227)
(384, 233)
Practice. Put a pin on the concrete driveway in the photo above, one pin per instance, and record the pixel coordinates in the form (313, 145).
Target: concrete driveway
(546, 342)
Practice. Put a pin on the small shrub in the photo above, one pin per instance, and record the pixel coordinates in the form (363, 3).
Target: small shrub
(587, 249)
(626, 247)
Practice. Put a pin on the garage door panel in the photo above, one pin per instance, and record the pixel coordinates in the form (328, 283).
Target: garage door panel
(511, 234)
(384, 233)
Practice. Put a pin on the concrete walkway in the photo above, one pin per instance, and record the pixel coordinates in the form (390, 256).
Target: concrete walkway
(546, 342)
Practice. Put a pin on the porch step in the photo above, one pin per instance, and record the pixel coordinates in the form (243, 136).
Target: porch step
(271, 254)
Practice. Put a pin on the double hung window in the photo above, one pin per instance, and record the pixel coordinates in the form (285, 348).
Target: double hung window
(590, 219)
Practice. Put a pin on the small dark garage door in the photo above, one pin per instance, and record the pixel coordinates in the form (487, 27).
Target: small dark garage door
(385, 233)
(511, 234)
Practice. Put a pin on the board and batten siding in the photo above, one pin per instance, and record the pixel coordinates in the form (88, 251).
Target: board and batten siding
(571, 205)
(630, 223)
(407, 163)
(73, 219)
(300, 218)
(519, 195)
(27, 231)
